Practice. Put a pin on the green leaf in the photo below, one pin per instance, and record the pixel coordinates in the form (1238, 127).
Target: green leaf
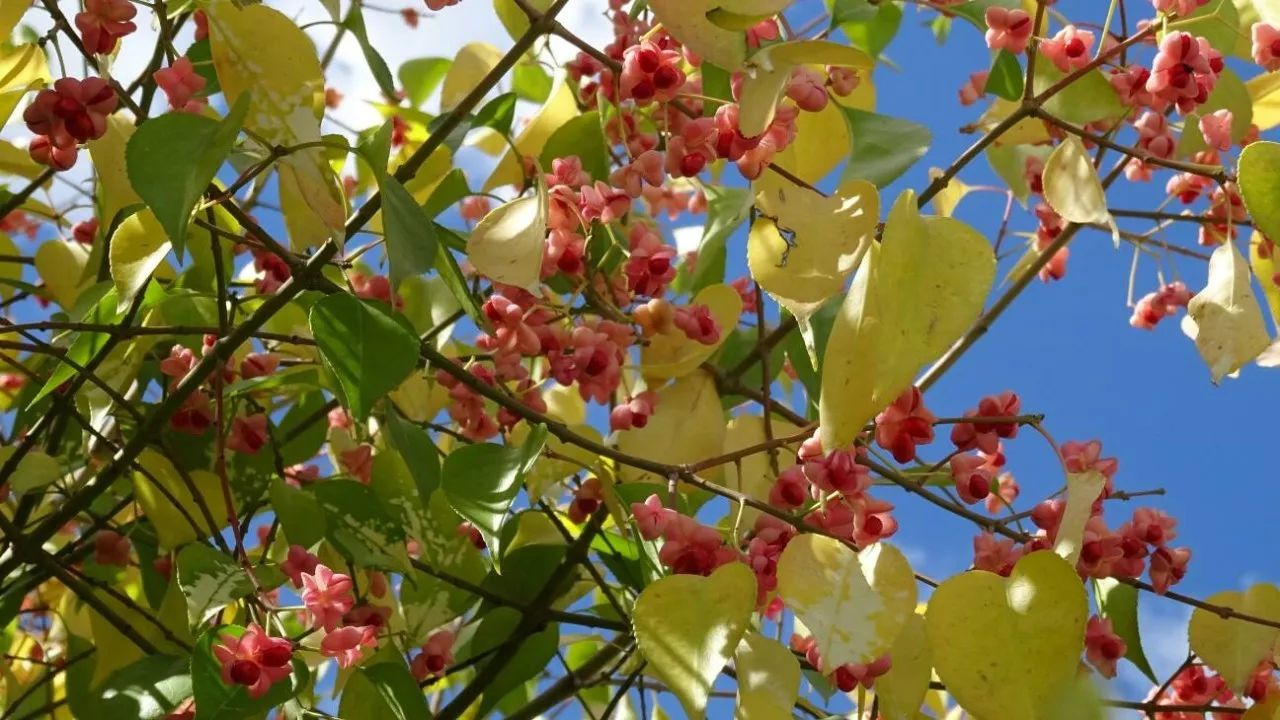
(883, 147)
(582, 136)
(418, 450)
(1087, 99)
(1118, 603)
(523, 661)
(381, 73)
(497, 114)
(871, 32)
(34, 471)
(449, 191)
(727, 209)
(1260, 185)
(218, 701)
(1005, 78)
(298, 433)
(451, 274)
(210, 580)
(149, 689)
(427, 601)
(383, 690)
(1218, 22)
(201, 56)
(530, 82)
(358, 525)
(301, 515)
(481, 480)
(421, 77)
(409, 234)
(369, 350)
(172, 158)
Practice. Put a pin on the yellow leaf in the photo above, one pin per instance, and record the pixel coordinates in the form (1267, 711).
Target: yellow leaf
(560, 107)
(565, 403)
(1224, 318)
(945, 202)
(821, 144)
(1005, 647)
(1030, 131)
(1268, 273)
(1264, 90)
(1231, 646)
(11, 11)
(506, 246)
(688, 628)
(469, 67)
(768, 679)
(753, 475)
(765, 84)
(138, 246)
(1269, 710)
(420, 398)
(17, 161)
(158, 500)
(513, 18)
(22, 69)
(913, 296)
(853, 603)
(902, 689)
(687, 21)
(8, 271)
(1082, 490)
(828, 237)
(61, 265)
(1072, 187)
(259, 50)
(687, 426)
(673, 354)
(114, 189)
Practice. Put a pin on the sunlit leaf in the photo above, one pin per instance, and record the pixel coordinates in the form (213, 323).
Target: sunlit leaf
(1224, 319)
(1004, 647)
(915, 293)
(688, 21)
(1231, 646)
(825, 237)
(506, 246)
(689, 627)
(853, 603)
(768, 678)
(686, 426)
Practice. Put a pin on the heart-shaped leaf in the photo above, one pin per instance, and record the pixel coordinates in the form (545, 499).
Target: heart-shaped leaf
(914, 294)
(902, 689)
(688, 627)
(768, 678)
(1232, 646)
(854, 603)
(1005, 646)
